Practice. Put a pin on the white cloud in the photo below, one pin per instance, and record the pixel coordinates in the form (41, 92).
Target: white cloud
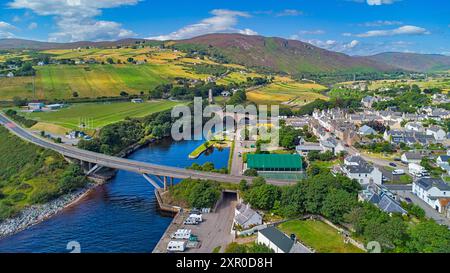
(222, 21)
(333, 45)
(75, 19)
(376, 2)
(311, 32)
(6, 30)
(289, 12)
(380, 23)
(32, 26)
(379, 2)
(404, 30)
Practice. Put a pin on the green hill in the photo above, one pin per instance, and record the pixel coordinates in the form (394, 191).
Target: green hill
(279, 54)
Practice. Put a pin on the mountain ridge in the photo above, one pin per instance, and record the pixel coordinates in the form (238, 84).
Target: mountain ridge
(278, 54)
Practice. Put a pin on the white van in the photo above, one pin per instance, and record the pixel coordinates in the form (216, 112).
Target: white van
(183, 234)
(190, 221)
(398, 172)
(176, 246)
(197, 217)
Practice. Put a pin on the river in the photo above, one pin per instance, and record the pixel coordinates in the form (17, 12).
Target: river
(120, 216)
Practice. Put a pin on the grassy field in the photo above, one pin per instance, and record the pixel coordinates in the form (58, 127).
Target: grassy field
(61, 81)
(442, 83)
(319, 236)
(288, 92)
(96, 115)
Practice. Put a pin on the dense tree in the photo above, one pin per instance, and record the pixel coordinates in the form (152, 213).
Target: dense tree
(337, 203)
(429, 237)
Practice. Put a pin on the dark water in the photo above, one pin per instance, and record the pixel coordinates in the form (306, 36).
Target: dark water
(120, 216)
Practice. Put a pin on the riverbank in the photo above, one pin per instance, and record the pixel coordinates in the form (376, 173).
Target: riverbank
(38, 213)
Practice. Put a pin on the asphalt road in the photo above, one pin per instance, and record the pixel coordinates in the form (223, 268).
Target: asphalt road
(429, 211)
(122, 163)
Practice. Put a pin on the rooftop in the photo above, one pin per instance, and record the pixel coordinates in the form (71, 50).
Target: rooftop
(428, 183)
(278, 238)
(275, 161)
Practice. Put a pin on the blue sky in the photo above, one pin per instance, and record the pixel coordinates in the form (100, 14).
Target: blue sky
(356, 27)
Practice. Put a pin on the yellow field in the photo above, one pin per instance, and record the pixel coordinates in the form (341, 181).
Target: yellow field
(286, 91)
(50, 128)
(444, 84)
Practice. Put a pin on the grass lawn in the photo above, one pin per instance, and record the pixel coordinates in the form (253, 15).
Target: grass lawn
(287, 91)
(98, 115)
(318, 235)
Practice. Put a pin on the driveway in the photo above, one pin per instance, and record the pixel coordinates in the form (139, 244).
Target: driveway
(429, 211)
(215, 230)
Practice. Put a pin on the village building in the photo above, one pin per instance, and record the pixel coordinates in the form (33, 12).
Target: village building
(280, 242)
(433, 191)
(382, 198)
(246, 217)
(355, 167)
(409, 157)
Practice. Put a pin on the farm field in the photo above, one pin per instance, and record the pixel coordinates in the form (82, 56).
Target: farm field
(319, 236)
(443, 83)
(288, 92)
(95, 115)
(61, 81)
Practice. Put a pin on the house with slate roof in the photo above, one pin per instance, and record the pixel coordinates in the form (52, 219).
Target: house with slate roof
(433, 191)
(246, 217)
(355, 167)
(382, 198)
(280, 242)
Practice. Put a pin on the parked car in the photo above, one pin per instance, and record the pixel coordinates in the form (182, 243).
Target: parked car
(398, 172)
(392, 164)
(191, 221)
(408, 200)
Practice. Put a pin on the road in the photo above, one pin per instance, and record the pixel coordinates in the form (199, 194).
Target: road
(378, 162)
(122, 163)
(429, 211)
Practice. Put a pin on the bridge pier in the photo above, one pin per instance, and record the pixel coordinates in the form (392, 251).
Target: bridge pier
(165, 183)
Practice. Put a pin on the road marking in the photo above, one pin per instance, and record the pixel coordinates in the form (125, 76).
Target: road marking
(10, 125)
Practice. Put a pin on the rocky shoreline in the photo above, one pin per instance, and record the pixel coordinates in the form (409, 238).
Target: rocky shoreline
(39, 213)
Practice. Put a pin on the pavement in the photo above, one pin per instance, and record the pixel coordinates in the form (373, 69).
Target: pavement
(216, 228)
(214, 231)
(429, 211)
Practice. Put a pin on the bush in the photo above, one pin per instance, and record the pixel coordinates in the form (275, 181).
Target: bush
(251, 172)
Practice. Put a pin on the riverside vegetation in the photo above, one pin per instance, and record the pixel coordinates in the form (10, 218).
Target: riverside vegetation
(32, 175)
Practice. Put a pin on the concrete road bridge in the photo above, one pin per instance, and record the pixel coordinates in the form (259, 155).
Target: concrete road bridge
(98, 160)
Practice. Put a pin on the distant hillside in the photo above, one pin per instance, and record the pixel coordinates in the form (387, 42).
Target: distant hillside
(37, 45)
(279, 54)
(413, 61)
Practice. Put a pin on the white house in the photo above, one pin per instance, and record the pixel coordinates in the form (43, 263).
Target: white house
(411, 158)
(367, 131)
(433, 191)
(355, 167)
(35, 105)
(246, 217)
(280, 242)
(414, 126)
(332, 145)
(138, 100)
(437, 132)
(304, 148)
